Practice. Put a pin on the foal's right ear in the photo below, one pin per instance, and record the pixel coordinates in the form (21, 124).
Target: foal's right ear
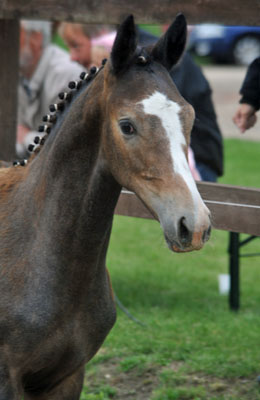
(124, 45)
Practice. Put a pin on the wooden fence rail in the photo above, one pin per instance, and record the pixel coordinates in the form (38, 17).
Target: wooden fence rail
(232, 208)
(240, 12)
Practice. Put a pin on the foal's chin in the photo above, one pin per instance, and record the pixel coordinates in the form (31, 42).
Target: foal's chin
(176, 248)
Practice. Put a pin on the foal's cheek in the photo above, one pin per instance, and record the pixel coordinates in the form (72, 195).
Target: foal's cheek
(117, 160)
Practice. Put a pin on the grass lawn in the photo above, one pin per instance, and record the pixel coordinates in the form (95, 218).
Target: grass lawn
(190, 346)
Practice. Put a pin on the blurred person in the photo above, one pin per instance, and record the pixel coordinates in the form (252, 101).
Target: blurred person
(245, 116)
(45, 70)
(79, 39)
(101, 47)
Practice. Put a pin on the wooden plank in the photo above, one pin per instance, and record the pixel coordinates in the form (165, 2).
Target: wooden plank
(9, 45)
(130, 205)
(229, 193)
(235, 217)
(239, 12)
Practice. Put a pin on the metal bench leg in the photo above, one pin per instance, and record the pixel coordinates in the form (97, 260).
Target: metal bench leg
(234, 270)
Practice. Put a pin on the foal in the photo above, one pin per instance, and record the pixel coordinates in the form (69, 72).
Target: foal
(126, 126)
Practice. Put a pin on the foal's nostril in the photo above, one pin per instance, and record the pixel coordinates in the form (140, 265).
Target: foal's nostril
(206, 234)
(185, 236)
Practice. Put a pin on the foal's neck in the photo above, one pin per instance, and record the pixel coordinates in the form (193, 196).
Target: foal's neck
(77, 192)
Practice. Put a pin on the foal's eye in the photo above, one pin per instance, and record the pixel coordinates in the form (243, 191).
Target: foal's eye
(127, 128)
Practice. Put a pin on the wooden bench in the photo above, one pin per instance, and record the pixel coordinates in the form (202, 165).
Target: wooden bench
(235, 209)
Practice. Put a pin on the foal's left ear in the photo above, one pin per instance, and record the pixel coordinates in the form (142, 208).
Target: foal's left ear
(124, 45)
(171, 45)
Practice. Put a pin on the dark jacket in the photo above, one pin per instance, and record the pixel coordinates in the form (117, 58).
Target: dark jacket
(250, 89)
(206, 138)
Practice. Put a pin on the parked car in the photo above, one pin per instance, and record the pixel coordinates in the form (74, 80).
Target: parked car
(232, 44)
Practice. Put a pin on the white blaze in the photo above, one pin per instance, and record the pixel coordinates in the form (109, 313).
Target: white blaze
(168, 113)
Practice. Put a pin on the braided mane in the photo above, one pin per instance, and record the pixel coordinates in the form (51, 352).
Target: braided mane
(57, 111)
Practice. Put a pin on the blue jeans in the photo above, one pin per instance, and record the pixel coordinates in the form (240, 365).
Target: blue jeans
(206, 173)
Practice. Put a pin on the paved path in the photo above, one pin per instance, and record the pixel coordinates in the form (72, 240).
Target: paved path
(225, 82)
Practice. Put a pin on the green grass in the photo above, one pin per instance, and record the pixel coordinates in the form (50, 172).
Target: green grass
(192, 346)
(241, 162)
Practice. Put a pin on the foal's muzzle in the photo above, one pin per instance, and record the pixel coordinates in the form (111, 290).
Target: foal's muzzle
(185, 238)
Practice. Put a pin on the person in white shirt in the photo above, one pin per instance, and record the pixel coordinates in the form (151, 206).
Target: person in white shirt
(45, 71)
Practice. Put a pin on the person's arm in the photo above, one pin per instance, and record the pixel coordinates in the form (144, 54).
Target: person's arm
(250, 89)
(22, 131)
(245, 116)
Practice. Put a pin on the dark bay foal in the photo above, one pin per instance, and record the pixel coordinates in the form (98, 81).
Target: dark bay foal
(126, 125)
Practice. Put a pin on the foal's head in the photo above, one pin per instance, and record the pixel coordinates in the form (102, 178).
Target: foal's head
(147, 132)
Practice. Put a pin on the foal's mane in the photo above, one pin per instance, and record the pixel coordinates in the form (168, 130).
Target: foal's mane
(59, 110)
(9, 175)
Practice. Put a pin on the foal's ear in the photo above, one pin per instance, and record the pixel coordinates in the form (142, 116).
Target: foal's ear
(124, 45)
(170, 46)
